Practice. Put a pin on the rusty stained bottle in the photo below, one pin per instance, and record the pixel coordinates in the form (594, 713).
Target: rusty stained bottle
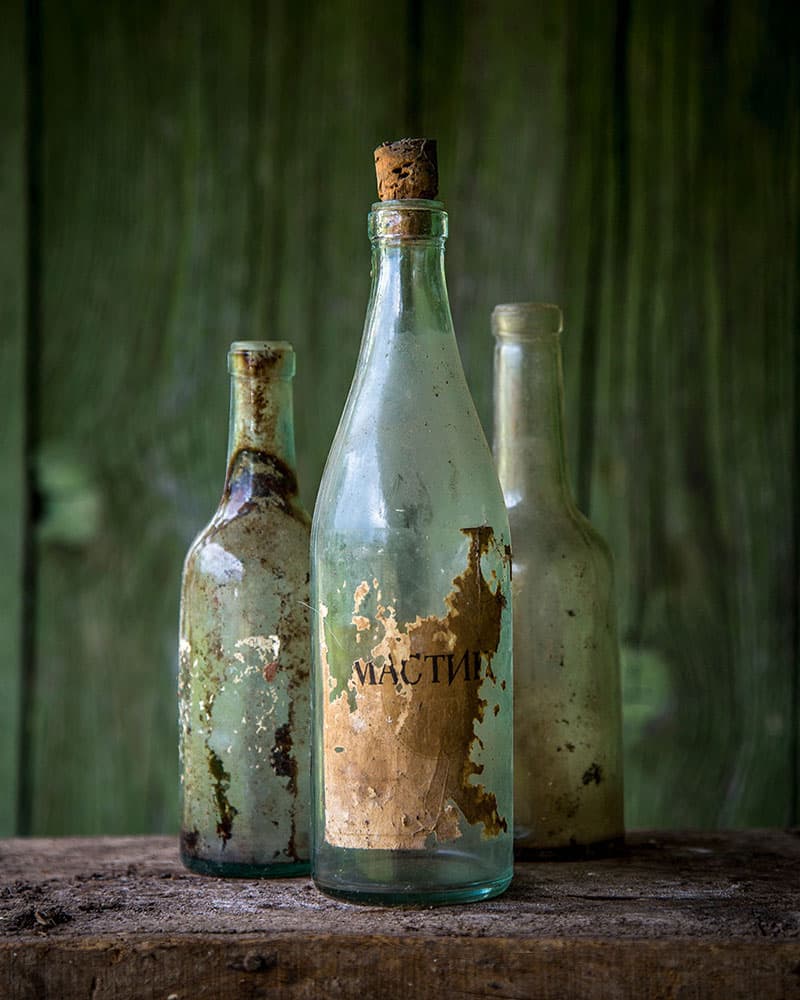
(568, 793)
(244, 643)
(411, 636)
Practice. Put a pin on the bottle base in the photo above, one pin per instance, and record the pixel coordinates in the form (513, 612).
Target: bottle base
(408, 878)
(373, 895)
(572, 851)
(237, 869)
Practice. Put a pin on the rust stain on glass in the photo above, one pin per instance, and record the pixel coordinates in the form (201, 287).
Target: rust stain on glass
(244, 634)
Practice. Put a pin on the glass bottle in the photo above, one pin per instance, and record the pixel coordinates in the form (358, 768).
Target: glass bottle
(243, 687)
(411, 636)
(568, 794)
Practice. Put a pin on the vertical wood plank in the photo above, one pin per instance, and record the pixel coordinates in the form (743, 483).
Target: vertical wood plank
(13, 290)
(348, 93)
(207, 178)
(492, 93)
(208, 172)
(637, 163)
(698, 403)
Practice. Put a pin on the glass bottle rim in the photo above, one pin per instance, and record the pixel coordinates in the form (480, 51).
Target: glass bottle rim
(526, 320)
(263, 359)
(407, 219)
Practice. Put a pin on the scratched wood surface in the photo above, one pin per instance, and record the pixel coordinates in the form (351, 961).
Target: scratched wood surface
(205, 175)
(682, 915)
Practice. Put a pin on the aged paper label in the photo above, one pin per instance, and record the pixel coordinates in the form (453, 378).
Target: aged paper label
(403, 702)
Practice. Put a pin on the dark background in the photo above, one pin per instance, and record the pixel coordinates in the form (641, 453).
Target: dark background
(175, 176)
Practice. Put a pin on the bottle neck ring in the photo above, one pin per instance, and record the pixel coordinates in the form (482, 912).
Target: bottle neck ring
(408, 220)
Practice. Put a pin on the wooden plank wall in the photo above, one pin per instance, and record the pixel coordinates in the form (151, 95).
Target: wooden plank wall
(205, 171)
(13, 425)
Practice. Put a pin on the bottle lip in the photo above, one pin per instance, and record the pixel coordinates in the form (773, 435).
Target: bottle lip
(262, 359)
(407, 219)
(526, 320)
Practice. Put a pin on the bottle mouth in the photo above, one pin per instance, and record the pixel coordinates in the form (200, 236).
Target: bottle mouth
(526, 320)
(407, 218)
(261, 359)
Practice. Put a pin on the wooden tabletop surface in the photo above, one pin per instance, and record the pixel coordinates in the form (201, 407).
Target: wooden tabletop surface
(679, 915)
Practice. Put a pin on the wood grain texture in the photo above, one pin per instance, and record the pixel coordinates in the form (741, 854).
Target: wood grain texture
(694, 410)
(637, 163)
(207, 176)
(681, 915)
(13, 288)
(191, 200)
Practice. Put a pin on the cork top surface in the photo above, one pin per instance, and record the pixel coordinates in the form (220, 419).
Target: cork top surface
(407, 168)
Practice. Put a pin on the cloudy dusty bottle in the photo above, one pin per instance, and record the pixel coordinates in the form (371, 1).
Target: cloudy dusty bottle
(243, 686)
(568, 794)
(411, 644)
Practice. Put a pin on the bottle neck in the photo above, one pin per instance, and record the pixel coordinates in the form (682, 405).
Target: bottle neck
(409, 291)
(261, 455)
(528, 419)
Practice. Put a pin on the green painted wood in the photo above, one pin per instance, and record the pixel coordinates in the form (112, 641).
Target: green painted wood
(346, 93)
(637, 163)
(208, 176)
(13, 248)
(696, 411)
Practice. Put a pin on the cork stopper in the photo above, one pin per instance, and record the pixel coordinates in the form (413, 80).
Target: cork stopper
(407, 168)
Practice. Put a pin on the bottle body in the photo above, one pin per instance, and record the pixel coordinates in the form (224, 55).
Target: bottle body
(244, 710)
(568, 794)
(411, 639)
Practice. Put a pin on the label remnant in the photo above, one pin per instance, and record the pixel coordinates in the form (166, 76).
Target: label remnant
(402, 713)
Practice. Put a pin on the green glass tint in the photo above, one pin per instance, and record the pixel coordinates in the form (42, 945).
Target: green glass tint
(243, 683)
(412, 779)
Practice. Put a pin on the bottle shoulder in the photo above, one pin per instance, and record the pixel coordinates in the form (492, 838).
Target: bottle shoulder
(560, 542)
(259, 533)
(556, 526)
(408, 463)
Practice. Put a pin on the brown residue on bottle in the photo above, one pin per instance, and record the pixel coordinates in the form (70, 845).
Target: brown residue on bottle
(399, 764)
(284, 763)
(189, 842)
(255, 474)
(260, 361)
(280, 756)
(593, 773)
(222, 781)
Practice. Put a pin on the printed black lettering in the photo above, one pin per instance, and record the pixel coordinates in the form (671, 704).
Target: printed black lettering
(452, 672)
(369, 668)
(404, 676)
(388, 669)
(435, 657)
(476, 666)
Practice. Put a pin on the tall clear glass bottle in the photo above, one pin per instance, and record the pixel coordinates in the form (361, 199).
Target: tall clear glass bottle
(568, 794)
(243, 686)
(411, 636)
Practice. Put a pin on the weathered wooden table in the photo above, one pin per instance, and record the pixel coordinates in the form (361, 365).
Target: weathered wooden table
(681, 915)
